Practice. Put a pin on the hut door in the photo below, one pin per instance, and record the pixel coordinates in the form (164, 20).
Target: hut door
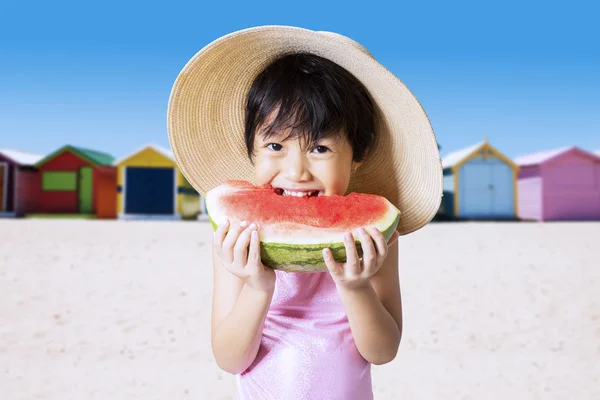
(503, 190)
(3, 185)
(85, 190)
(475, 200)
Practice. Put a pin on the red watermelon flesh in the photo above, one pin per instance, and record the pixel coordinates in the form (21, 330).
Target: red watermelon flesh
(264, 205)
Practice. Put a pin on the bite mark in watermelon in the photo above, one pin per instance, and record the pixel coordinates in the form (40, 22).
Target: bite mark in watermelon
(294, 230)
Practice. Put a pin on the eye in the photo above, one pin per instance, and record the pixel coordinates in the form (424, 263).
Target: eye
(274, 146)
(321, 149)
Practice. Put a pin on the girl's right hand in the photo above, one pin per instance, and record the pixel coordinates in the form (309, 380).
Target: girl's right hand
(239, 251)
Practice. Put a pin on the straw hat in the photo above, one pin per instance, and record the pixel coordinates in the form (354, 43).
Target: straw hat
(206, 118)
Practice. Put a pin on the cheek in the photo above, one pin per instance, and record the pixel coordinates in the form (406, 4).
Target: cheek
(264, 170)
(336, 179)
(342, 182)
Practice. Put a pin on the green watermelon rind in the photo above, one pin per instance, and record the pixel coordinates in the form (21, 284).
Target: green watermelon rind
(307, 257)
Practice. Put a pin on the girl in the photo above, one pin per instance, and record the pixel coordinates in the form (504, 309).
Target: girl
(311, 109)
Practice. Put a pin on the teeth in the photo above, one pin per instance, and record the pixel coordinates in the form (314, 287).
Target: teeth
(299, 194)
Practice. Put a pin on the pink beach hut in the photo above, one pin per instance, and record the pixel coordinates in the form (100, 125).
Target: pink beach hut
(560, 184)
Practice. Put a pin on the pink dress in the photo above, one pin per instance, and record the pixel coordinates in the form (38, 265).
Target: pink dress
(307, 351)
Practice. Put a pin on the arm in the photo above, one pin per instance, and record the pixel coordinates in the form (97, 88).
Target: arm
(239, 309)
(375, 312)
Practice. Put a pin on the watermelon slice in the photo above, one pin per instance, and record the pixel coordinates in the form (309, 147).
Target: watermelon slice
(294, 230)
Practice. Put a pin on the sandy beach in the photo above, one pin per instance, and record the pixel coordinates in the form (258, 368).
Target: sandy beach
(121, 310)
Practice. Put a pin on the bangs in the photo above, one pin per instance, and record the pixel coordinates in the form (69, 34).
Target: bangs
(307, 121)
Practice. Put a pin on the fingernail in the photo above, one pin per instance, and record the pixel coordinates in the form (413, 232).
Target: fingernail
(225, 223)
(244, 224)
(253, 226)
(348, 236)
(254, 234)
(363, 231)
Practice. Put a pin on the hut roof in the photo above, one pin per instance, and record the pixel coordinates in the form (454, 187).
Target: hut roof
(21, 157)
(93, 156)
(457, 156)
(165, 152)
(540, 156)
(545, 156)
(97, 156)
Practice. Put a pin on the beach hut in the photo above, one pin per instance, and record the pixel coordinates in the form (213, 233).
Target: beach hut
(479, 183)
(17, 182)
(151, 186)
(559, 184)
(74, 180)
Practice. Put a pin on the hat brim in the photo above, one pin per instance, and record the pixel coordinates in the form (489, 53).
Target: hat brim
(205, 119)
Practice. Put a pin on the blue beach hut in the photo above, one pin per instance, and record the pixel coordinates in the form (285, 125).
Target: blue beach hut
(480, 183)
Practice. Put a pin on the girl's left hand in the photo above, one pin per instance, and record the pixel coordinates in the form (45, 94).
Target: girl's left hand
(355, 272)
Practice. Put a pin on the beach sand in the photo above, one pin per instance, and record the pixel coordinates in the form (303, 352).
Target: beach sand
(121, 310)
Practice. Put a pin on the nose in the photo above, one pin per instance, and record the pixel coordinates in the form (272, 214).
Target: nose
(296, 168)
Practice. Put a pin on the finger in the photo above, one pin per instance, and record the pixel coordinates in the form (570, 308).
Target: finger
(220, 233)
(229, 242)
(394, 238)
(334, 268)
(254, 251)
(369, 253)
(240, 250)
(379, 239)
(352, 262)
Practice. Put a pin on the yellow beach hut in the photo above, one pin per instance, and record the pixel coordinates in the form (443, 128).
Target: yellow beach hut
(480, 183)
(150, 186)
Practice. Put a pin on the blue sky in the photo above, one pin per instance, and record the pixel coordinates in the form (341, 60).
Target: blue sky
(99, 75)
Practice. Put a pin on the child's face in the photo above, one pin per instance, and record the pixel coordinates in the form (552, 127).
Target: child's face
(323, 169)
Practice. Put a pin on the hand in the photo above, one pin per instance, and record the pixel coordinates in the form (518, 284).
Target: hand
(239, 251)
(355, 272)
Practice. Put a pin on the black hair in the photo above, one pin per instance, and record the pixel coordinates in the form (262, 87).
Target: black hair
(313, 97)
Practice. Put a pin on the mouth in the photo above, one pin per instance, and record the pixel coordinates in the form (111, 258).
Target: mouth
(298, 193)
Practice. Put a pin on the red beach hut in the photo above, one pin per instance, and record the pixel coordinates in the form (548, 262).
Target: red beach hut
(17, 182)
(560, 184)
(73, 180)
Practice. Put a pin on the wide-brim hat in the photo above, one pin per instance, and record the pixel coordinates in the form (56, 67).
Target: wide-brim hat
(206, 118)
